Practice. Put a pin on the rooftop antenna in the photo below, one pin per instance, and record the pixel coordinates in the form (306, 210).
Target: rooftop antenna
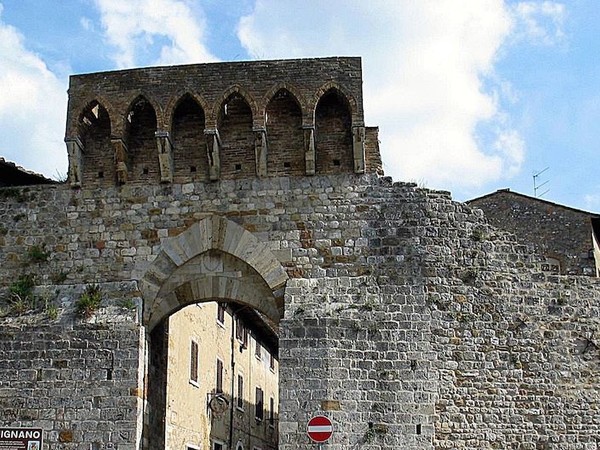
(537, 187)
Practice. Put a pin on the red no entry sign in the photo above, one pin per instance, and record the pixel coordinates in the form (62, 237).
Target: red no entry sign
(320, 428)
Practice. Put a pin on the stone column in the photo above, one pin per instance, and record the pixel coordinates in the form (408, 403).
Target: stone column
(165, 156)
(75, 153)
(213, 150)
(309, 149)
(358, 148)
(260, 151)
(121, 159)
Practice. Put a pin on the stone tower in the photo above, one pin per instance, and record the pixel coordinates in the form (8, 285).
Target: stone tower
(404, 316)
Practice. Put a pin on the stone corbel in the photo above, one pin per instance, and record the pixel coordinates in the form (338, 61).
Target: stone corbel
(358, 148)
(260, 151)
(75, 154)
(213, 150)
(165, 156)
(121, 159)
(309, 149)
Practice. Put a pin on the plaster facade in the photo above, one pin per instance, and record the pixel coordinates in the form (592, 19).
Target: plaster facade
(218, 362)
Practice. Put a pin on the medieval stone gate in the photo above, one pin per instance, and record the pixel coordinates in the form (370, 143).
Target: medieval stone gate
(403, 315)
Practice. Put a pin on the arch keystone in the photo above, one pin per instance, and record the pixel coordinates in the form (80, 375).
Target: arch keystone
(177, 278)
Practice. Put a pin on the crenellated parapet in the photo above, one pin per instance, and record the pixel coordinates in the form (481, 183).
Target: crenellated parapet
(207, 122)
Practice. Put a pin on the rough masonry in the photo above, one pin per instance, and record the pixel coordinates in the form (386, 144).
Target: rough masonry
(404, 315)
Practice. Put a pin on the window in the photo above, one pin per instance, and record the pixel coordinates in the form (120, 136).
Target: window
(258, 350)
(221, 313)
(259, 402)
(219, 387)
(218, 446)
(239, 446)
(271, 362)
(271, 412)
(240, 392)
(194, 362)
(241, 332)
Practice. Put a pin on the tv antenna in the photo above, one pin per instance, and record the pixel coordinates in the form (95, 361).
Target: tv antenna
(538, 187)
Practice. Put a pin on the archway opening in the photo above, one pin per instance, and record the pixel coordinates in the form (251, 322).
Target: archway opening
(189, 145)
(285, 135)
(237, 138)
(141, 142)
(212, 304)
(94, 131)
(214, 378)
(333, 129)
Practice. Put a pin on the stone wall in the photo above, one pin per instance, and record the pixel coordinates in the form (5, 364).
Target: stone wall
(80, 380)
(408, 319)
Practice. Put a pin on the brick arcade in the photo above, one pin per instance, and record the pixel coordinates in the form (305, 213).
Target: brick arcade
(404, 316)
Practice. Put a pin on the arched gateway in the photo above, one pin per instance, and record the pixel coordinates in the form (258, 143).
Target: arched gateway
(214, 259)
(403, 316)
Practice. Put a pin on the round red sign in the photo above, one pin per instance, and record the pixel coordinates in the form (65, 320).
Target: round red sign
(320, 428)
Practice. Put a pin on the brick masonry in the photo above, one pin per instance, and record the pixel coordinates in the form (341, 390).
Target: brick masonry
(404, 316)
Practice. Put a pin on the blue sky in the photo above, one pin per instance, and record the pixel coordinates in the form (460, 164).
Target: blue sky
(470, 95)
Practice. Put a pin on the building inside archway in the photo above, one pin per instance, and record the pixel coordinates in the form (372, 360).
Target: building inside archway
(222, 382)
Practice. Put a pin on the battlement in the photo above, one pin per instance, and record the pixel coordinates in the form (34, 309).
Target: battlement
(207, 122)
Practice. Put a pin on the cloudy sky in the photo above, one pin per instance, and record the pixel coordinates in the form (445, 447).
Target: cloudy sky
(470, 95)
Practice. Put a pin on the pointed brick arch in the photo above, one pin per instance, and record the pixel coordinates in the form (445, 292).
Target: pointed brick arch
(187, 121)
(213, 116)
(283, 122)
(120, 127)
(293, 91)
(333, 133)
(236, 125)
(74, 119)
(171, 282)
(142, 152)
(350, 101)
(176, 100)
(95, 159)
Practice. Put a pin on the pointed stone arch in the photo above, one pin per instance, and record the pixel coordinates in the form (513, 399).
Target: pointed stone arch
(172, 281)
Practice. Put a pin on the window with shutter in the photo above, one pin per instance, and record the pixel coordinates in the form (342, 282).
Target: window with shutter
(194, 362)
(259, 402)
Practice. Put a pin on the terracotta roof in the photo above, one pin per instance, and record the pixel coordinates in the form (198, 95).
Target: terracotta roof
(13, 175)
(529, 197)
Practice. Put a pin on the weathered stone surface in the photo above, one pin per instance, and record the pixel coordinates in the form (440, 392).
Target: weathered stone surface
(427, 327)
(416, 323)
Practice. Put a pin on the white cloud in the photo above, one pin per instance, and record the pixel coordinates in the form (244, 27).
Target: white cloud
(133, 27)
(592, 201)
(424, 66)
(32, 107)
(540, 22)
(86, 24)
